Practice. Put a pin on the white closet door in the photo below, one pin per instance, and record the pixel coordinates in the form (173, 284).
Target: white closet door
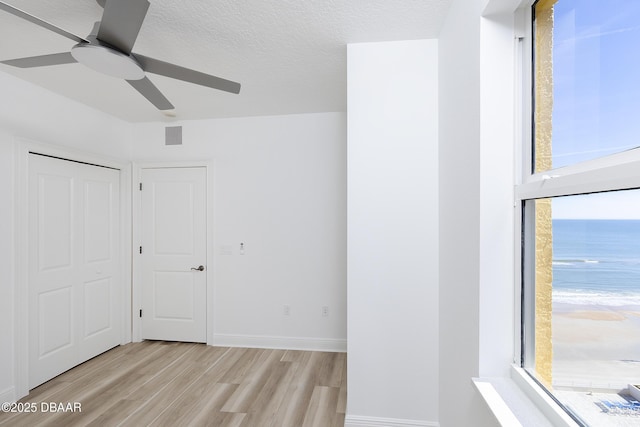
(174, 253)
(74, 301)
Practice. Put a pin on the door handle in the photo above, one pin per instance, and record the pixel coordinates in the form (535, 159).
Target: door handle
(201, 268)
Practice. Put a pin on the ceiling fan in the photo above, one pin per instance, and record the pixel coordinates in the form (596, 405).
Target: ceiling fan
(107, 49)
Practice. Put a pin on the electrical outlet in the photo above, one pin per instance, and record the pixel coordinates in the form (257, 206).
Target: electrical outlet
(286, 310)
(325, 311)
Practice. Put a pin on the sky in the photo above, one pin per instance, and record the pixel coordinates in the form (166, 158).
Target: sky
(596, 105)
(596, 66)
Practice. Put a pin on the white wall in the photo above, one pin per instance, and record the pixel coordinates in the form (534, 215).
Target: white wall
(28, 112)
(460, 225)
(497, 243)
(477, 246)
(6, 266)
(393, 233)
(279, 189)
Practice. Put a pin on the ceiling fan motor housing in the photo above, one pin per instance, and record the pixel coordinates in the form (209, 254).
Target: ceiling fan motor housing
(107, 60)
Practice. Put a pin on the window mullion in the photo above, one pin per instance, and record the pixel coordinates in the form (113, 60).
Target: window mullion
(619, 177)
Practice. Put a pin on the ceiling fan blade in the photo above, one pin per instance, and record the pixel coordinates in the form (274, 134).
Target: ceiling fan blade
(24, 15)
(41, 61)
(121, 22)
(153, 95)
(162, 68)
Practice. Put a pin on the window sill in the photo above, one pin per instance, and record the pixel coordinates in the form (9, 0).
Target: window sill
(519, 401)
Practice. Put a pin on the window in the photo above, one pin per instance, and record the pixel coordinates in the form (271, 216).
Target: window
(587, 71)
(580, 210)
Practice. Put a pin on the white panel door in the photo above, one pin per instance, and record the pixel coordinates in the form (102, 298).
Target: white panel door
(73, 264)
(100, 318)
(174, 253)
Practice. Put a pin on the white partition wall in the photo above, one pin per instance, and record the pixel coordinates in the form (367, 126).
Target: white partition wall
(7, 260)
(278, 186)
(392, 234)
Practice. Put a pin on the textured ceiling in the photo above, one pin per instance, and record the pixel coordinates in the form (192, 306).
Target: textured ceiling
(289, 55)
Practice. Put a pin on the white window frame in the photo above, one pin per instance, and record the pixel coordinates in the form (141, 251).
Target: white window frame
(620, 171)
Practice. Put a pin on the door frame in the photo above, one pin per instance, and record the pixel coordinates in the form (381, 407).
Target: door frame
(21, 290)
(137, 238)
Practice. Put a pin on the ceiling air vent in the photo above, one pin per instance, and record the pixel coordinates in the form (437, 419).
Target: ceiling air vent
(173, 135)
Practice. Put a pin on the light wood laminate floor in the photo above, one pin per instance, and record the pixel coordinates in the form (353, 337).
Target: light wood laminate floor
(157, 383)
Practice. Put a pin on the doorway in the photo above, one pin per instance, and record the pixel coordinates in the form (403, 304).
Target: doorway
(173, 253)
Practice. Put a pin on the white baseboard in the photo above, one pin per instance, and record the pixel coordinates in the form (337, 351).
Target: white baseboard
(360, 421)
(8, 395)
(284, 343)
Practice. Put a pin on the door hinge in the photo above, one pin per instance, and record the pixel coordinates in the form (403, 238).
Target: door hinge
(140, 312)
(140, 186)
(140, 249)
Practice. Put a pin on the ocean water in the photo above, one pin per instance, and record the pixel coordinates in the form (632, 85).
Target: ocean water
(596, 262)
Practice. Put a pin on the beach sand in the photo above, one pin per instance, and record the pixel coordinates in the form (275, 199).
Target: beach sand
(595, 346)
(596, 355)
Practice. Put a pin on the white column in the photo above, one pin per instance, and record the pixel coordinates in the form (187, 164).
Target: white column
(392, 226)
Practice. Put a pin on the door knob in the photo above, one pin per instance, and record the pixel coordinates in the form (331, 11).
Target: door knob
(201, 268)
